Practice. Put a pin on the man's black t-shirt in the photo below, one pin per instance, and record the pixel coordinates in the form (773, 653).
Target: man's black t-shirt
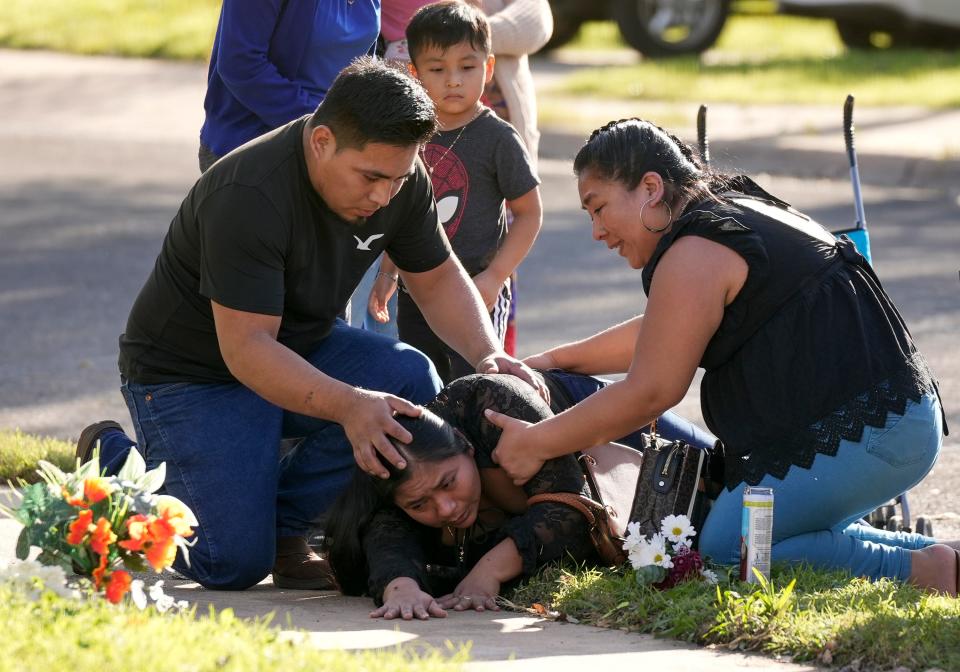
(254, 235)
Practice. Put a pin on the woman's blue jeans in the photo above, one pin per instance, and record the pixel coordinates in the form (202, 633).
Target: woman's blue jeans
(816, 510)
(221, 446)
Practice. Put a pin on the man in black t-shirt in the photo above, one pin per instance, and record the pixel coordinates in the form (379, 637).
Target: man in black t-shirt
(233, 343)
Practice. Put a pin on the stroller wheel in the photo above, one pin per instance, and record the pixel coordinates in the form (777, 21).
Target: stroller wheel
(924, 526)
(894, 524)
(880, 515)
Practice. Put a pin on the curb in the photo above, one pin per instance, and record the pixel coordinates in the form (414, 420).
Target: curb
(753, 156)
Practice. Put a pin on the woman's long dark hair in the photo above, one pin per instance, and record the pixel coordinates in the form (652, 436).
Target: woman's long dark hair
(625, 150)
(433, 441)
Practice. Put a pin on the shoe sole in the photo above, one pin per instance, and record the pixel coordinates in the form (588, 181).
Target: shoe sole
(290, 583)
(90, 435)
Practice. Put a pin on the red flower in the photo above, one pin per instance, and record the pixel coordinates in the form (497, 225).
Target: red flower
(98, 573)
(118, 586)
(80, 527)
(687, 564)
(102, 537)
(138, 532)
(154, 537)
(96, 489)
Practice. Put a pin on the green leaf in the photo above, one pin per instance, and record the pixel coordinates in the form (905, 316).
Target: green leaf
(23, 544)
(133, 468)
(153, 479)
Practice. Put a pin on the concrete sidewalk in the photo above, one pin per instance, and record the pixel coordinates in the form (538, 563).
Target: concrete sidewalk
(498, 640)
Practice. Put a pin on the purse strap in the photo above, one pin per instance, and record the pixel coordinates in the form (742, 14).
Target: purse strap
(584, 505)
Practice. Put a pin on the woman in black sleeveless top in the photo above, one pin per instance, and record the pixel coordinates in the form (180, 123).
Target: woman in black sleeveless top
(812, 380)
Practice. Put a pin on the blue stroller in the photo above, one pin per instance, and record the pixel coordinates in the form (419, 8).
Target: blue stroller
(886, 516)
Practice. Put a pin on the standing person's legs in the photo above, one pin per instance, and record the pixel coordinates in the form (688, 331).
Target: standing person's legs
(415, 331)
(815, 509)
(220, 443)
(315, 472)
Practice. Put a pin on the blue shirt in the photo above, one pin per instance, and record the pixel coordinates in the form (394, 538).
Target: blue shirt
(274, 60)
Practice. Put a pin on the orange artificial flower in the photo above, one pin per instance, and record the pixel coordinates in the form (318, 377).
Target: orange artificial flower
(99, 572)
(139, 532)
(102, 537)
(118, 586)
(161, 553)
(174, 512)
(72, 500)
(80, 527)
(96, 489)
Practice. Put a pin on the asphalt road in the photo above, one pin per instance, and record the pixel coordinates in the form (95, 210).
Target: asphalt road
(98, 153)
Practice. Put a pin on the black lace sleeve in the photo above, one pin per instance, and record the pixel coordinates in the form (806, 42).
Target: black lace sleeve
(546, 531)
(394, 546)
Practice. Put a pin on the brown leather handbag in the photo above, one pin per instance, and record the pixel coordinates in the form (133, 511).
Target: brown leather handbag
(627, 485)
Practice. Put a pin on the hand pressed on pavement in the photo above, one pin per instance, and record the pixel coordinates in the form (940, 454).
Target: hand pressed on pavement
(402, 598)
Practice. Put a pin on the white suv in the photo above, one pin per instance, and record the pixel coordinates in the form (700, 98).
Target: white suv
(866, 24)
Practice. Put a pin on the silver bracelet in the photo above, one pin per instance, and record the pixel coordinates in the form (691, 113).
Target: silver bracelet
(393, 278)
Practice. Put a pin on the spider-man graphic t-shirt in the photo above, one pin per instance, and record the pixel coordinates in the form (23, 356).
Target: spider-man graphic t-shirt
(473, 174)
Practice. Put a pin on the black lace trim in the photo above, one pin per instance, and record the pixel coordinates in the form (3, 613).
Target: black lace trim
(847, 422)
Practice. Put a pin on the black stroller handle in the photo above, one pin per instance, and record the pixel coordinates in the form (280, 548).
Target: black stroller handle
(852, 157)
(702, 143)
(848, 129)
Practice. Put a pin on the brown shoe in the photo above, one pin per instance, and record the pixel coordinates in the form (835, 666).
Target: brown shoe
(297, 567)
(90, 436)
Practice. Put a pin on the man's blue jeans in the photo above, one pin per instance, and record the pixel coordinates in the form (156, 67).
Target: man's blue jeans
(221, 446)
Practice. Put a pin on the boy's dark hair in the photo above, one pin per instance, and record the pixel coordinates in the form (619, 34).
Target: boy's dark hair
(371, 101)
(444, 24)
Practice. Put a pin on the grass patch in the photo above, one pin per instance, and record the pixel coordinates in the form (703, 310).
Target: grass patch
(90, 636)
(19, 454)
(778, 59)
(177, 29)
(827, 617)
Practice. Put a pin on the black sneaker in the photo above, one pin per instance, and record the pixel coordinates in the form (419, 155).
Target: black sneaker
(90, 436)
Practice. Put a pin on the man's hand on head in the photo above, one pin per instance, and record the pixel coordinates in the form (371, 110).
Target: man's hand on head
(501, 362)
(369, 421)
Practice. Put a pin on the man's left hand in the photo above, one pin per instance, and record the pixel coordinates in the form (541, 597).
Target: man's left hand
(500, 362)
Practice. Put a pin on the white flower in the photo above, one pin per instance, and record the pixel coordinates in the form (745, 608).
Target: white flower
(677, 529)
(31, 578)
(641, 555)
(709, 576)
(660, 557)
(633, 538)
(137, 595)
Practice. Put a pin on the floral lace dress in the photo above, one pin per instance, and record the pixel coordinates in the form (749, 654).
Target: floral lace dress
(397, 546)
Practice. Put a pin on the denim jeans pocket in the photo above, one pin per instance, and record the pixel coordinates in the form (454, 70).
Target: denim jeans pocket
(905, 439)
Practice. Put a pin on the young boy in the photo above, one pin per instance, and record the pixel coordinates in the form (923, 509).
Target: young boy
(477, 164)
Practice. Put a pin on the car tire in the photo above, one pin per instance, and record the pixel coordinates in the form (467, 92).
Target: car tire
(638, 21)
(855, 35)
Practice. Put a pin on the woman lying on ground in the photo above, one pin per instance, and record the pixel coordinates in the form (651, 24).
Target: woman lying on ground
(450, 529)
(812, 381)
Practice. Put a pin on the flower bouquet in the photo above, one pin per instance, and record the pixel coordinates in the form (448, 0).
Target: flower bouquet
(666, 558)
(96, 524)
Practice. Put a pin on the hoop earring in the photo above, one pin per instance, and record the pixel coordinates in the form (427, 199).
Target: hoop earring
(669, 217)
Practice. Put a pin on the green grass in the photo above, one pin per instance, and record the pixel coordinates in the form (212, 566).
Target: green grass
(825, 617)
(19, 454)
(59, 634)
(776, 59)
(178, 29)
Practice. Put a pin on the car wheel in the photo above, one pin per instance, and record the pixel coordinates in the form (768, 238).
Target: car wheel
(855, 35)
(662, 28)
